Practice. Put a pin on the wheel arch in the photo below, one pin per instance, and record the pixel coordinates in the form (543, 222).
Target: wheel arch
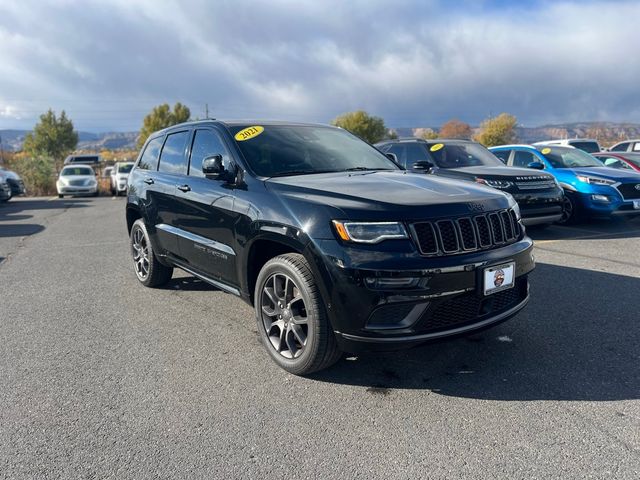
(259, 252)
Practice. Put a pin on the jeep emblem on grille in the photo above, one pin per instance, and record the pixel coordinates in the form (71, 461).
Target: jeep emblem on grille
(475, 207)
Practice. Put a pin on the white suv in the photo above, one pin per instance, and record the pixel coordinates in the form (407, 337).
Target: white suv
(626, 146)
(119, 176)
(588, 145)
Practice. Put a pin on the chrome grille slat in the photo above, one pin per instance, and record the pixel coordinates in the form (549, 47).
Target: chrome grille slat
(466, 234)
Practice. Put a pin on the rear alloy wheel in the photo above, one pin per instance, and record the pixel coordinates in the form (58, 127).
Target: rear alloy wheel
(291, 320)
(149, 271)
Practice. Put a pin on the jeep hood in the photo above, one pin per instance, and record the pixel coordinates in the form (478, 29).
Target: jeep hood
(382, 194)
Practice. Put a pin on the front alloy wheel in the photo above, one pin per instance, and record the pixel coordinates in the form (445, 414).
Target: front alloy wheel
(568, 210)
(291, 319)
(284, 315)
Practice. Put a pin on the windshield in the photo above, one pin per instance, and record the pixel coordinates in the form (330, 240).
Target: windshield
(456, 155)
(589, 147)
(126, 168)
(66, 172)
(633, 158)
(563, 157)
(281, 150)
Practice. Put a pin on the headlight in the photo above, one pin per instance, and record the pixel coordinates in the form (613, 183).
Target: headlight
(62, 181)
(516, 208)
(595, 180)
(369, 232)
(501, 184)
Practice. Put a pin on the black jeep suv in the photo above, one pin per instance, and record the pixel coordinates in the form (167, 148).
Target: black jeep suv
(539, 196)
(336, 247)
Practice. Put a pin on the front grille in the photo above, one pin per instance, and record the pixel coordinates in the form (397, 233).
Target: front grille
(629, 191)
(470, 307)
(76, 183)
(466, 234)
(544, 185)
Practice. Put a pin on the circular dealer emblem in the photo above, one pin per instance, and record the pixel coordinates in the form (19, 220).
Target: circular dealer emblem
(498, 278)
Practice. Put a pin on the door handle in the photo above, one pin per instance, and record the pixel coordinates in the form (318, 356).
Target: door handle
(183, 188)
(149, 181)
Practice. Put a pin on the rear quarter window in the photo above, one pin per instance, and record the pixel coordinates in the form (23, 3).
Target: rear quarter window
(149, 158)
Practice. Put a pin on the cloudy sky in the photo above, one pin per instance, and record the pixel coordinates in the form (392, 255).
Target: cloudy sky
(415, 63)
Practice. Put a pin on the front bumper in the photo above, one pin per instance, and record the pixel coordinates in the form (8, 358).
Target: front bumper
(77, 190)
(540, 207)
(614, 206)
(447, 299)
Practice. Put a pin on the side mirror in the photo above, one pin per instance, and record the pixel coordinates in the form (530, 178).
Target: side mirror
(536, 165)
(423, 166)
(392, 157)
(212, 166)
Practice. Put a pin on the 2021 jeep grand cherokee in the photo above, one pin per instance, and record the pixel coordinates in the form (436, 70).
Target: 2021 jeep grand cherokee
(336, 247)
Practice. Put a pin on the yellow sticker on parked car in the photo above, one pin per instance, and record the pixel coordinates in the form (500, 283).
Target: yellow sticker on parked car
(546, 150)
(436, 147)
(248, 133)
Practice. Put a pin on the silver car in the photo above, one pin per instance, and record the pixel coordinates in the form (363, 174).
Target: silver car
(77, 180)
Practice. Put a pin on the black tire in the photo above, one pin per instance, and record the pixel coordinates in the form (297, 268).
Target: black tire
(155, 274)
(570, 210)
(60, 195)
(320, 349)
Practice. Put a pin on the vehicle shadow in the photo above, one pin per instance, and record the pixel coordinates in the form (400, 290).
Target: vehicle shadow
(577, 340)
(19, 229)
(19, 205)
(595, 229)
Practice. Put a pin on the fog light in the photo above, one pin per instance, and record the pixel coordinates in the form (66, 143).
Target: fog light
(391, 283)
(600, 198)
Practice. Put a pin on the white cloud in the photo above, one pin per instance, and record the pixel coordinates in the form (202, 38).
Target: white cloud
(414, 63)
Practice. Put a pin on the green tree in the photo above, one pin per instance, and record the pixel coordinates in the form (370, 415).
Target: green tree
(52, 137)
(162, 117)
(498, 130)
(369, 128)
(37, 172)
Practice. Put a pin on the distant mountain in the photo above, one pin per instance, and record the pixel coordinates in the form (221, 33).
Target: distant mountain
(12, 140)
(606, 132)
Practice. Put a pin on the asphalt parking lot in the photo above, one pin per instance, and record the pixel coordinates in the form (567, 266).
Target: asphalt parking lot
(102, 378)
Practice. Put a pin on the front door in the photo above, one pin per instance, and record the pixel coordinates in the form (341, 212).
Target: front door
(207, 218)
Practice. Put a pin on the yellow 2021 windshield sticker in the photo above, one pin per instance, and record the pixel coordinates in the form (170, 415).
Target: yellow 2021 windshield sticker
(248, 133)
(436, 147)
(546, 150)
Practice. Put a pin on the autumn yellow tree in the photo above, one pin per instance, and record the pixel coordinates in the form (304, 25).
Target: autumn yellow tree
(500, 130)
(455, 129)
(369, 128)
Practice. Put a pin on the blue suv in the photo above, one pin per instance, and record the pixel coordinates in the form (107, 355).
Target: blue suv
(591, 189)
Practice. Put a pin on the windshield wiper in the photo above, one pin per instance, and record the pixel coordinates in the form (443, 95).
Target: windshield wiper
(357, 169)
(300, 172)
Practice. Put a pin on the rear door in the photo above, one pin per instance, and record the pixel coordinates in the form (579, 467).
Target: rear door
(207, 219)
(172, 170)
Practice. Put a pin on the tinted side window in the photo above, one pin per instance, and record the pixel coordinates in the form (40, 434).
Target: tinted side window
(415, 152)
(205, 144)
(522, 159)
(503, 155)
(149, 159)
(398, 150)
(172, 159)
(613, 162)
(621, 148)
